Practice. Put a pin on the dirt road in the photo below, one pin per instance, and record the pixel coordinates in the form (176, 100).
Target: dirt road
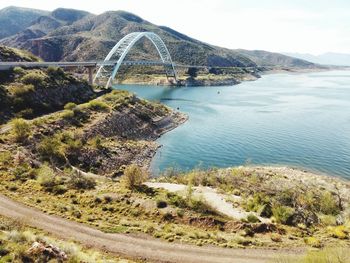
(151, 249)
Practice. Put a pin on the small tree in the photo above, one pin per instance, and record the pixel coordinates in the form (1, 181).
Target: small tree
(134, 176)
(20, 129)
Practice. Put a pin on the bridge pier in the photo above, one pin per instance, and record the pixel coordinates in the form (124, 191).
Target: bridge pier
(91, 77)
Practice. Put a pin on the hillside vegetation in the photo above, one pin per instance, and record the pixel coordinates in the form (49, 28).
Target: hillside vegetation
(20, 243)
(32, 92)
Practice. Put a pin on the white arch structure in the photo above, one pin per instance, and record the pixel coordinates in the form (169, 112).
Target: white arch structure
(124, 45)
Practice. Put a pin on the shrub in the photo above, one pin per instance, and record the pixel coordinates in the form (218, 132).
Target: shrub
(79, 181)
(70, 106)
(176, 200)
(76, 214)
(51, 148)
(5, 158)
(251, 218)
(71, 141)
(134, 176)
(18, 71)
(46, 177)
(67, 114)
(20, 129)
(96, 142)
(59, 189)
(55, 72)
(98, 105)
(283, 214)
(161, 204)
(338, 232)
(23, 172)
(167, 216)
(276, 237)
(34, 78)
(328, 220)
(26, 113)
(260, 204)
(19, 89)
(4, 251)
(15, 236)
(328, 204)
(313, 242)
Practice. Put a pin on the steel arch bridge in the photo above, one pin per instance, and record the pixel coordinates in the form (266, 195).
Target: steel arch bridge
(121, 49)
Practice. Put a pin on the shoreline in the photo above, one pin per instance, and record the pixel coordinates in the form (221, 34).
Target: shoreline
(178, 118)
(226, 80)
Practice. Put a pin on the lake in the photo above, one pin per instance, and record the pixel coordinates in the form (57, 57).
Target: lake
(299, 120)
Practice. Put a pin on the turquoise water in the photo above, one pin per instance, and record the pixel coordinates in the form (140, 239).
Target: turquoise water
(299, 120)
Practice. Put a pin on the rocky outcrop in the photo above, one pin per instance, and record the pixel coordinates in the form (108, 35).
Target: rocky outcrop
(141, 121)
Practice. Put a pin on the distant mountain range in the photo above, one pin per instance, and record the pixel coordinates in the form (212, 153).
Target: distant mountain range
(329, 58)
(71, 35)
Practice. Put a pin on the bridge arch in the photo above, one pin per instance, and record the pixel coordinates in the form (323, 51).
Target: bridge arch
(124, 45)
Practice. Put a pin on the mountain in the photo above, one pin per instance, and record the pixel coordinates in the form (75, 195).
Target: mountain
(72, 35)
(329, 58)
(15, 19)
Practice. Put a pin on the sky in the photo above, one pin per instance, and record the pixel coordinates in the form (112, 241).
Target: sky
(303, 26)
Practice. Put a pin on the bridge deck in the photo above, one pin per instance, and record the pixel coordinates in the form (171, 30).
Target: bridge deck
(9, 65)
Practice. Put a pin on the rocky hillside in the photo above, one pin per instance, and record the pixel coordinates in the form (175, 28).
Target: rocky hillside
(32, 92)
(76, 35)
(15, 19)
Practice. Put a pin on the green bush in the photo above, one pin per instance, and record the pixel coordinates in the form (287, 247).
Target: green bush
(26, 113)
(20, 89)
(59, 189)
(259, 203)
(19, 71)
(34, 78)
(339, 232)
(52, 149)
(328, 204)
(176, 200)
(251, 218)
(78, 181)
(313, 242)
(5, 158)
(96, 142)
(23, 172)
(20, 129)
(283, 214)
(70, 106)
(71, 141)
(134, 176)
(98, 105)
(67, 114)
(328, 220)
(55, 72)
(46, 177)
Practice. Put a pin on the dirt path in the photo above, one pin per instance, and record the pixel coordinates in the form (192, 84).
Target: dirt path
(212, 198)
(135, 247)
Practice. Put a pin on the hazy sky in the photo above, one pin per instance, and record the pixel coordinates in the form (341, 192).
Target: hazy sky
(307, 26)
